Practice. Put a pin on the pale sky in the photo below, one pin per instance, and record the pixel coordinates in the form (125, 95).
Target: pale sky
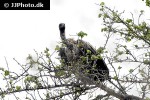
(23, 31)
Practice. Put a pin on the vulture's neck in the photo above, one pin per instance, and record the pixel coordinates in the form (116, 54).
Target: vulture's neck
(65, 41)
(63, 37)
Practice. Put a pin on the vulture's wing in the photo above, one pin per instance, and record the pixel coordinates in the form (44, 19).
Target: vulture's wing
(86, 46)
(101, 69)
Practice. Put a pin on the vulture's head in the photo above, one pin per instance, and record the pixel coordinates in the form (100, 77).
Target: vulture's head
(62, 27)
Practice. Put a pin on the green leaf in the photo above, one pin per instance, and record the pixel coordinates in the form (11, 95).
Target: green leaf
(102, 3)
(29, 57)
(18, 88)
(115, 77)
(47, 49)
(136, 46)
(129, 20)
(82, 34)
(146, 54)
(143, 88)
(128, 39)
(147, 98)
(47, 96)
(61, 94)
(146, 62)
(120, 52)
(142, 11)
(119, 67)
(60, 73)
(148, 3)
(6, 72)
(94, 57)
(99, 56)
(104, 29)
(83, 58)
(57, 47)
(2, 69)
(131, 70)
(106, 16)
(28, 98)
(88, 51)
(101, 9)
(28, 78)
(3, 95)
(100, 50)
(10, 81)
(100, 15)
(47, 55)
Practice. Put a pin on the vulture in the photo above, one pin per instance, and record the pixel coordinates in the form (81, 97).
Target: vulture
(77, 57)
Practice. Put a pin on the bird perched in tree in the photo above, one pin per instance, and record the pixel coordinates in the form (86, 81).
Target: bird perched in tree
(82, 58)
